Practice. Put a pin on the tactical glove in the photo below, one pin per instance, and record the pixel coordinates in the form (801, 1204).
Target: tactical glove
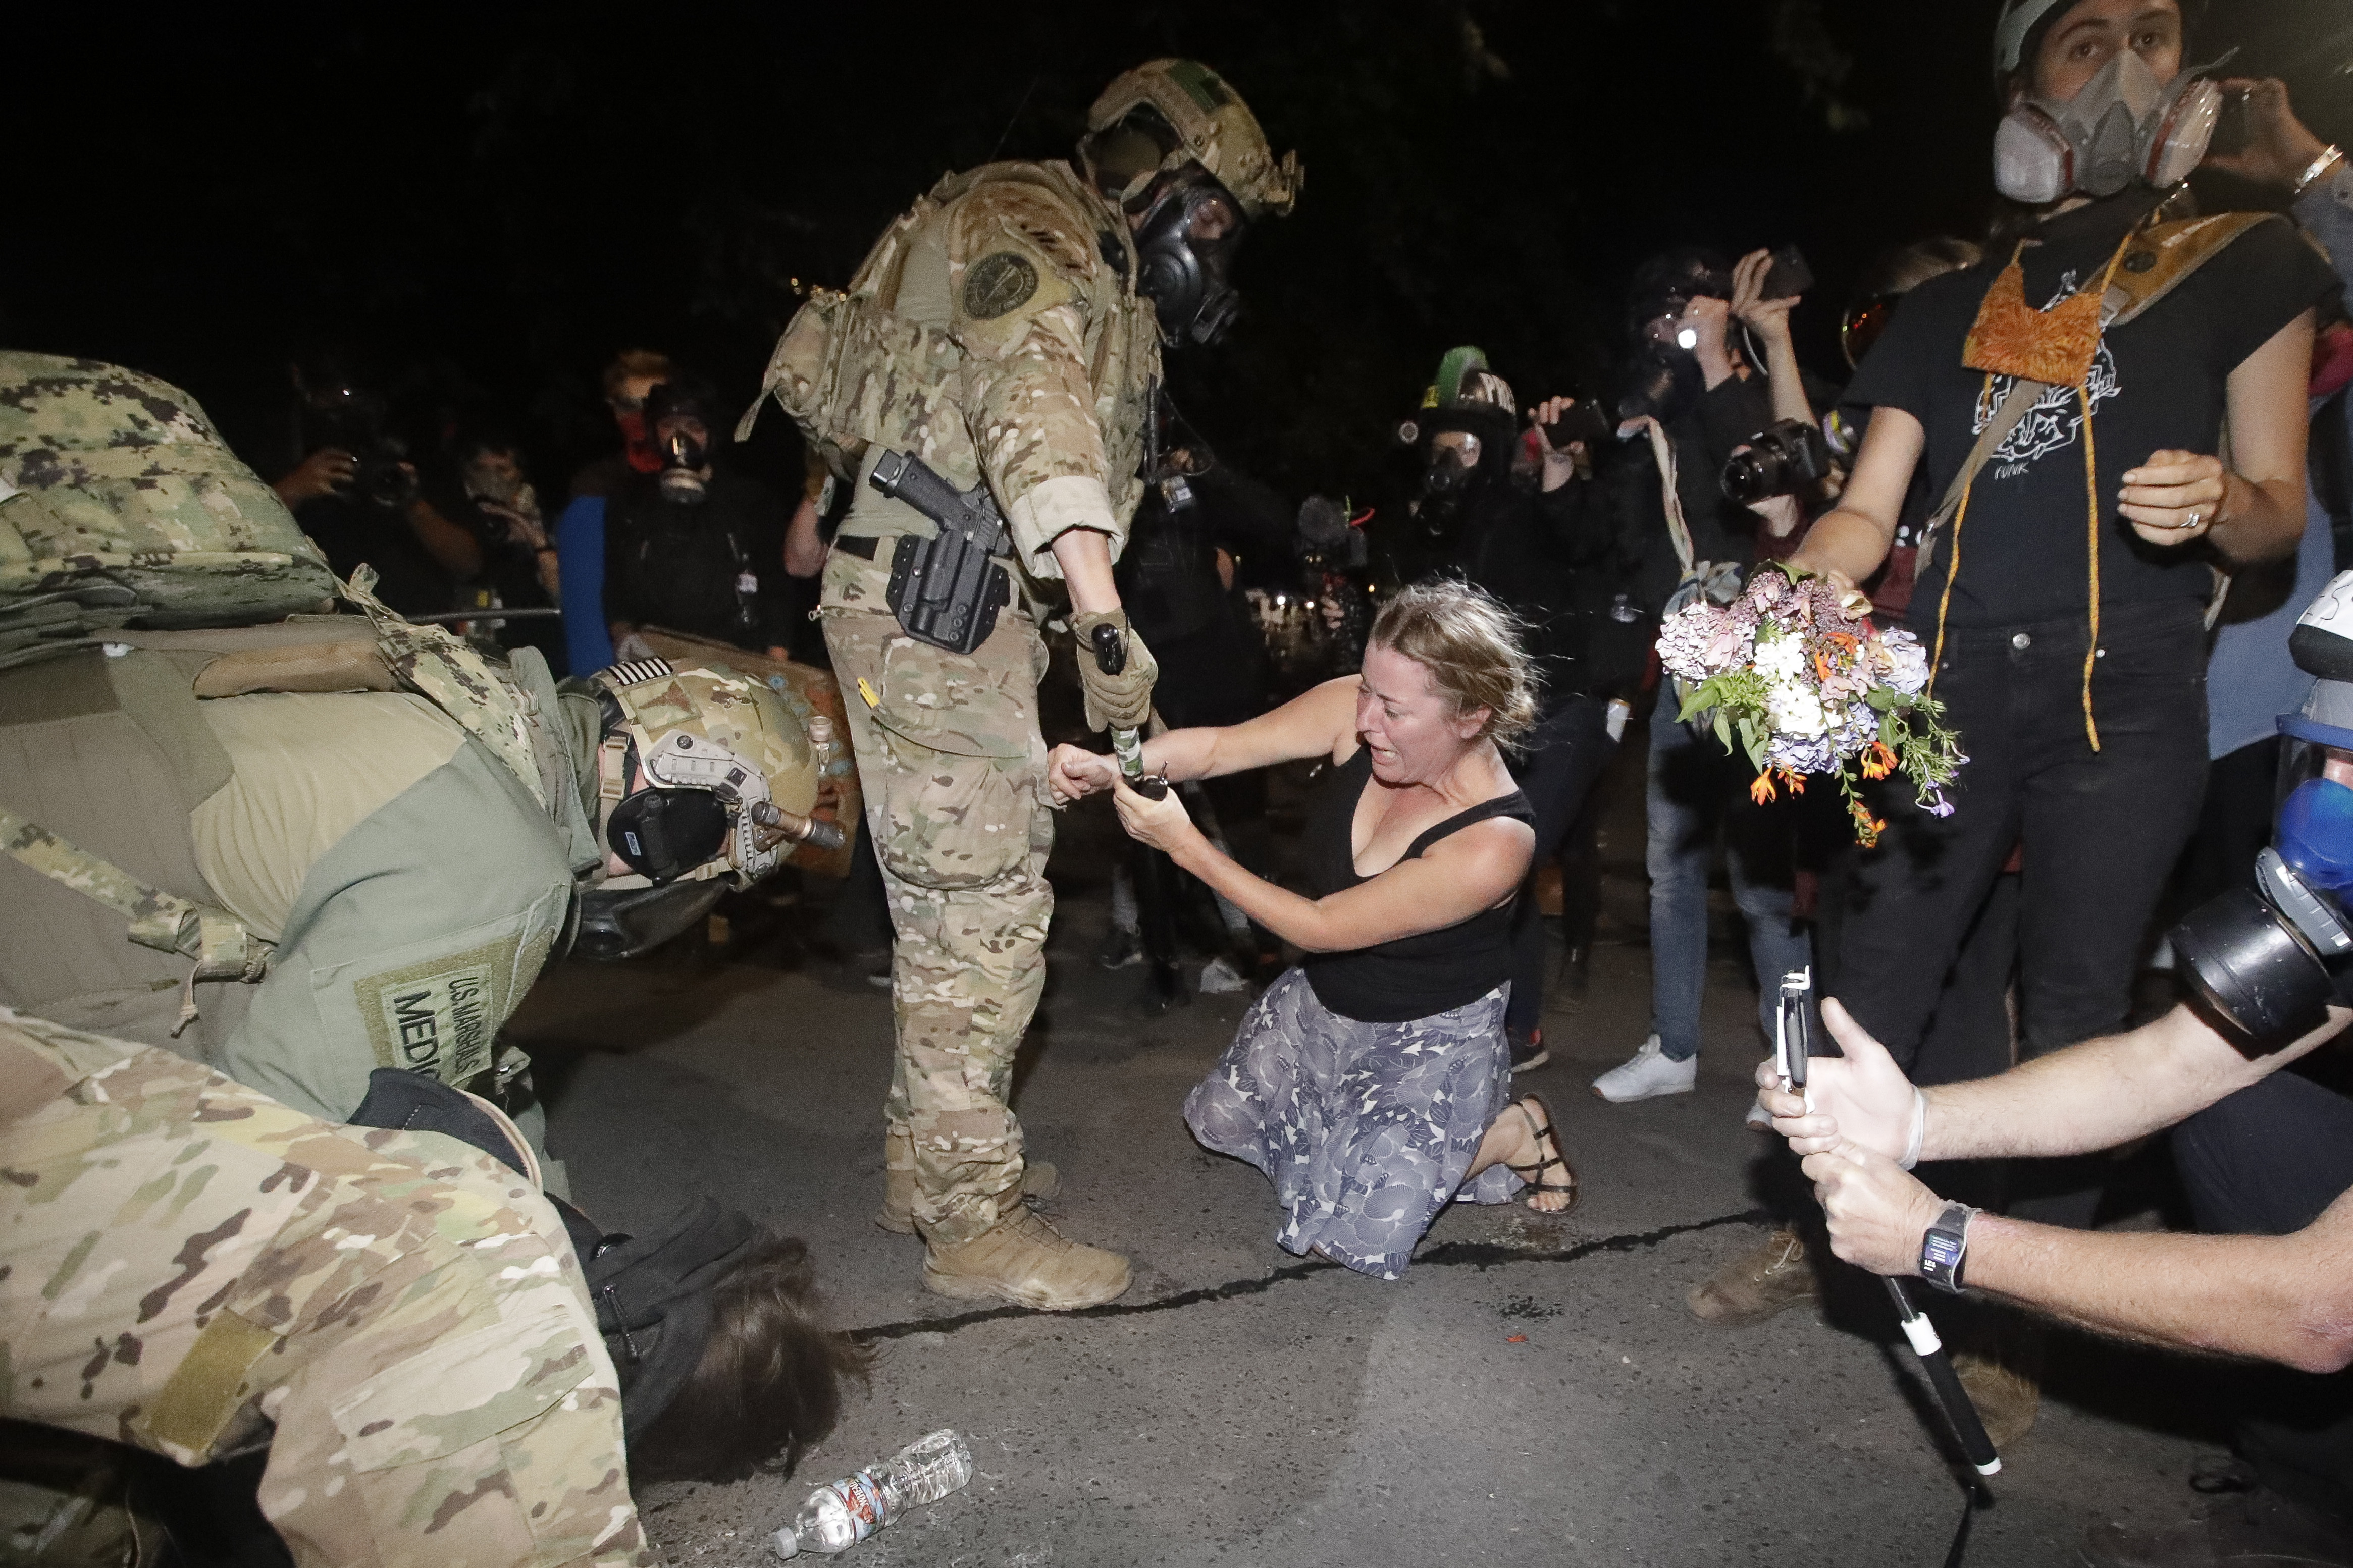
(1121, 700)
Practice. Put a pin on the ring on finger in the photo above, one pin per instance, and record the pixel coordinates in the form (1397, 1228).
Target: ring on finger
(2193, 520)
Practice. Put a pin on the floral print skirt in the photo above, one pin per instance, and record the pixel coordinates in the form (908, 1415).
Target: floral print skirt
(1366, 1130)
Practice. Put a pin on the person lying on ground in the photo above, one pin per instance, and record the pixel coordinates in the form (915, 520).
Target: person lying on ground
(1371, 1083)
(441, 1363)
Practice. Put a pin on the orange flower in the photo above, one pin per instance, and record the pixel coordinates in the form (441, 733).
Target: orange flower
(1761, 789)
(1796, 782)
(1878, 762)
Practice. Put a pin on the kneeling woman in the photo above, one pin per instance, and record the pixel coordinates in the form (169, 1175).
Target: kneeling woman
(1371, 1083)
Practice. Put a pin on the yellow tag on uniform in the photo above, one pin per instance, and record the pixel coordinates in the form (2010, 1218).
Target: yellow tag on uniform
(867, 691)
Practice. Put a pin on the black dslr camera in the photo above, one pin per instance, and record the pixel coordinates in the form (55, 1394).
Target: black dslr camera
(355, 421)
(1781, 459)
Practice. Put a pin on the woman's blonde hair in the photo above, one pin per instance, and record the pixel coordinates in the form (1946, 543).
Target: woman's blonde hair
(1471, 646)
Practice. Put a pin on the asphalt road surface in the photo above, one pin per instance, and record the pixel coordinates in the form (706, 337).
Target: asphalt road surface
(1531, 1392)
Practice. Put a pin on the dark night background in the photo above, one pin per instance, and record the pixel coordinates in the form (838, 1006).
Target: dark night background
(483, 208)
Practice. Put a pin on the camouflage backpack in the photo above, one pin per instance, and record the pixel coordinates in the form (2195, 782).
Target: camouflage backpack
(121, 506)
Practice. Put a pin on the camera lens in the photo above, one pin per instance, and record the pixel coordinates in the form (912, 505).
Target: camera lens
(1753, 475)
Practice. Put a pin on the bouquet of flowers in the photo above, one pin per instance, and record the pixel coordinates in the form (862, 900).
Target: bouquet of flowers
(1810, 688)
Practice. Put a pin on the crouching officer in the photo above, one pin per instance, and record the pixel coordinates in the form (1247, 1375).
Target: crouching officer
(361, 836)
(987, 382)
(444, 1365)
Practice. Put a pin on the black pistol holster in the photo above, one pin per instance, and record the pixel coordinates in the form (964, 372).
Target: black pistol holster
(947, 590)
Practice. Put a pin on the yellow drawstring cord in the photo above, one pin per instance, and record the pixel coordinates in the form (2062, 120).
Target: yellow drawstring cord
(2092, 508)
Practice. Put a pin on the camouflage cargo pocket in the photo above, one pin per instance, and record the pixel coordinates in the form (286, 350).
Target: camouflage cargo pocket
(964, 762)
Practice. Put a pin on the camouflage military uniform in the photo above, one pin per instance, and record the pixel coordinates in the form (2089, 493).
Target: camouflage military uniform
(410, 883)
(1034, 370)
(188, 1267)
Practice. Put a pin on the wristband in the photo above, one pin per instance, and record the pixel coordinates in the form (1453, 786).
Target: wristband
(1919, 1131)
(1945, 1249)
(2314, 170)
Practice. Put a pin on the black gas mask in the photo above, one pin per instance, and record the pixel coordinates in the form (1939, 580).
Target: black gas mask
(1451, 471)
(2269, 960)
(685, 453)
(614, 923)
(1184, 251)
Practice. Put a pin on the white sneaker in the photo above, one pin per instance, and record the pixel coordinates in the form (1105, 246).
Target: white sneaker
(1648, 1075)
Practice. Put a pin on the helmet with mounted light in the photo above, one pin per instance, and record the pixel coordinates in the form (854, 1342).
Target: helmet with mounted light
(702, 774)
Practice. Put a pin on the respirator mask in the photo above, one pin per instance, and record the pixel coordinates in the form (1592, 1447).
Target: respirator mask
(1184, 252)
(2124, 125)
(685, 457)
(683, 450)
(1451, 468)
(2270, 959)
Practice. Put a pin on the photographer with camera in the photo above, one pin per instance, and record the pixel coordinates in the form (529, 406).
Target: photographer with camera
(2267, 1158)
(1537, 544)
(483, 485)
(354, 491)
(1696, 400)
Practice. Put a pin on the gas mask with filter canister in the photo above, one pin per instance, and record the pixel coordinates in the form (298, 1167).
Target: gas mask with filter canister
(684, 447)
(2270, 959)
(2122, 125)
(1183, 253)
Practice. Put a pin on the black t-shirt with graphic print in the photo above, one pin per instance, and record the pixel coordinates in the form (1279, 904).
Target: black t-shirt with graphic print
(2158, 383)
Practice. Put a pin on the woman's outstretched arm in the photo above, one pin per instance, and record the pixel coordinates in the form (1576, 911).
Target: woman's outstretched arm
(1320, 722)
(1461, 874)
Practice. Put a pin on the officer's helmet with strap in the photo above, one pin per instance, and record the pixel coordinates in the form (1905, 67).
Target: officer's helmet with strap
(702, 773)
(1212, 127)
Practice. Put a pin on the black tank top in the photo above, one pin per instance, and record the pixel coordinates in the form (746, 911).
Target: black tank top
(1410, 976)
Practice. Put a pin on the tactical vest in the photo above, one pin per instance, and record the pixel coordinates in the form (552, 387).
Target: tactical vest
(852, 372)
(510, 711)
(120, 505)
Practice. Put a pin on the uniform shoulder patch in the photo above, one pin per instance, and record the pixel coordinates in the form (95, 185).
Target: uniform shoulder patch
(998, 283)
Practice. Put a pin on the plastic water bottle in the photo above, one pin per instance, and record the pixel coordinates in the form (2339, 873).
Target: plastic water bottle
(837, 1517)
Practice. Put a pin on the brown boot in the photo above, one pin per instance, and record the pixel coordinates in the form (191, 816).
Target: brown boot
(1768, 1279)
(1039, 1181)
(2008, 1397)
(1027, 1262)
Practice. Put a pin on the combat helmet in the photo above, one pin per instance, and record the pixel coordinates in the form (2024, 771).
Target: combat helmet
(1214, 129)
(730, 775)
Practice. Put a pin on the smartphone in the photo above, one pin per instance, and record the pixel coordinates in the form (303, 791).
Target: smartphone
(1789, 276)
(2230, 136)
(1581, 421)
(1791, 1039)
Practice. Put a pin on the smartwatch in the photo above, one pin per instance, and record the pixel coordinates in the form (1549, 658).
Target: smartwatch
(1944, 1250)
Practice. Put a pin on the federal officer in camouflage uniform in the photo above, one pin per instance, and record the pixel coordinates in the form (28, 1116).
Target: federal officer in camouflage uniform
(384, 834)
(190, 1267)
(1007, 330)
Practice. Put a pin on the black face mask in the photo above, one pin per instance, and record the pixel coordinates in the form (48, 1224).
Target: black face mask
(1181, 268)
(683, 461)
(612, 923)
(1664, 382)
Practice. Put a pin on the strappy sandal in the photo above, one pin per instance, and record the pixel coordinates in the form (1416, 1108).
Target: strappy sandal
(1531, 1174)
